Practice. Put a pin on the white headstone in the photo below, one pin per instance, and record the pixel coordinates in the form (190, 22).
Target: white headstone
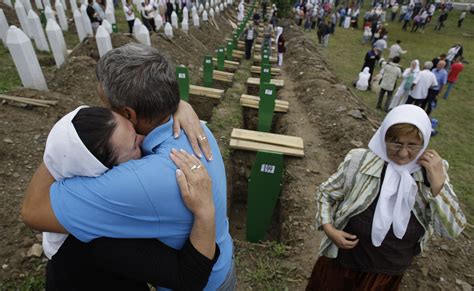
(110, 14)
(73, 4)
(56, 41)
(196, 20)
(174, 19)
(185, 25)
(23, 18)
(211, 13)
(201, 9)
(81, 32)
(143, 35)
(3, 27)
(25, 59)
(207, 6)
(205, 18)
(47, 3)
(38, 33)
(136, 26)
(63, 2)
(86, 21)
(27, 5)
(39, 4)
(8, 2)
(61, 15)
(158, 21)
(185, 13)
(106, 24)
(213, 3)
(168, 30)
(216, 10)
(48, 12)
(225, 4)
(193, 11)
(102, 37)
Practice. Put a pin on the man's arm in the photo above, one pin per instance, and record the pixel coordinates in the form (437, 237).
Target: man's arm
(36, 210)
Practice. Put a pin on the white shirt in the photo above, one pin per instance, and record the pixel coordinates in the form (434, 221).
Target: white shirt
(423, 82)
(127, 10)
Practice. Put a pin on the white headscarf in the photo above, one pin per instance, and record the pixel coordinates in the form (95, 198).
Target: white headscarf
(417, 68)
(279, 31)
(398, 192)
(65, 155)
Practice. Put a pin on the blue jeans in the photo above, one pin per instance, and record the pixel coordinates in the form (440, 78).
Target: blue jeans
(448, 90)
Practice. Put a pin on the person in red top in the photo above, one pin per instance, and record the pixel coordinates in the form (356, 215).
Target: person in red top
(453, 75)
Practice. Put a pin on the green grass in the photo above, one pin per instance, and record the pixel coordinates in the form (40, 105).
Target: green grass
(455, 140)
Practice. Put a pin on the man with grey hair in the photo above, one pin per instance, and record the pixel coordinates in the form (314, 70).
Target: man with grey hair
(140, 198)
(442, 78)
(422, 83)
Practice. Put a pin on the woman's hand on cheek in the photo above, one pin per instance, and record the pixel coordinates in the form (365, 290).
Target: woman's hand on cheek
(432, 162)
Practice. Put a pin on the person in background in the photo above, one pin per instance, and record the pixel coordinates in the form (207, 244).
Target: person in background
(409, 75)
(441, 19)
(363, 82)
(419, 89)
(461, 18)
(382, 205)
(442, 77)
(435, 61)
(453, 76)
(281, 45)
(250, 33)
(148, 11)
(93, 15)
(267, 35)
(390, 75)
(325, 32)
(371, 57)
(396, 50)
(129, 15)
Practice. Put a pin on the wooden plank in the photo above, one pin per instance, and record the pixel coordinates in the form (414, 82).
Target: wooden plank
(260, 40)
(282, 103)
(231, 65)
(205, 92)
(258, 59)
(256, 70)
(268, 138)
(255, 105)
(256, 81)
(223, 76)
(256, 146)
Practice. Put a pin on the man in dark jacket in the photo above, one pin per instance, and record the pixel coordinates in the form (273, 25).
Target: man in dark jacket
(371, 58)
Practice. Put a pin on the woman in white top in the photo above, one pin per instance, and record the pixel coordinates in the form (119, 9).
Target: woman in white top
(403, 90)
(129, 15)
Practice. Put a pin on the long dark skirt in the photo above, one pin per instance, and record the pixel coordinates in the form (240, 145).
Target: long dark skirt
(328, 275)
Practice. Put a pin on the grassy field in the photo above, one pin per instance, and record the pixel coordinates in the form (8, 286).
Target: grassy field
(455, 140)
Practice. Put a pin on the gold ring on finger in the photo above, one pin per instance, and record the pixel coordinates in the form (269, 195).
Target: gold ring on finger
(194, 167)
(202, 138)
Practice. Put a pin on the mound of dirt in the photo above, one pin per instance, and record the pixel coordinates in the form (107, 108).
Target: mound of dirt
(10, 14)
(88, 47)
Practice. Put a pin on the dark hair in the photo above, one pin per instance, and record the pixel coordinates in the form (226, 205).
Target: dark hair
(399, 41)
(95, 126)
(442, 55)
(140, 77)
(396, 59)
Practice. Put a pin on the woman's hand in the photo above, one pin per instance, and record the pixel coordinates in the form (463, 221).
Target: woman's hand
(432, 162)
(194, 183)
(341, 239)
(185, 117)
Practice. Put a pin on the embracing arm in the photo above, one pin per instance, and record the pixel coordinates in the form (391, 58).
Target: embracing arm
(36, 210)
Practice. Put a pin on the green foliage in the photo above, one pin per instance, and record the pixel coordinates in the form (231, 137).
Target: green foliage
(29, 283)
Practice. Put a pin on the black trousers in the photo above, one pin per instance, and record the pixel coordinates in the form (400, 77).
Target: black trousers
(130, 25)
(248, 48)
(387, 102)
(417, 102)
(427, 104)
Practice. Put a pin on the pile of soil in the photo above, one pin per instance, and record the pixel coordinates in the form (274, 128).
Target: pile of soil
(88, 47)
(10, 14)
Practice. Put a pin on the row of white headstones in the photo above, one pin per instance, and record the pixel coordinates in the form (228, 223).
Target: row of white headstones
(21, 48)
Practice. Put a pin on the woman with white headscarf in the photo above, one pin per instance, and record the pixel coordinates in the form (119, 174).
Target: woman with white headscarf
(363, 81)
(381, 206)
(88, 142)
(409, 75)
(280, 40)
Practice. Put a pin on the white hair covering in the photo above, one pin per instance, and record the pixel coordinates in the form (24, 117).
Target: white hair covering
(66, 156)
(398, 191)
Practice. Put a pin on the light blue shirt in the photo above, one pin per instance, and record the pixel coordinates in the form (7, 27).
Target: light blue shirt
(141, 199)
(441, 77)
